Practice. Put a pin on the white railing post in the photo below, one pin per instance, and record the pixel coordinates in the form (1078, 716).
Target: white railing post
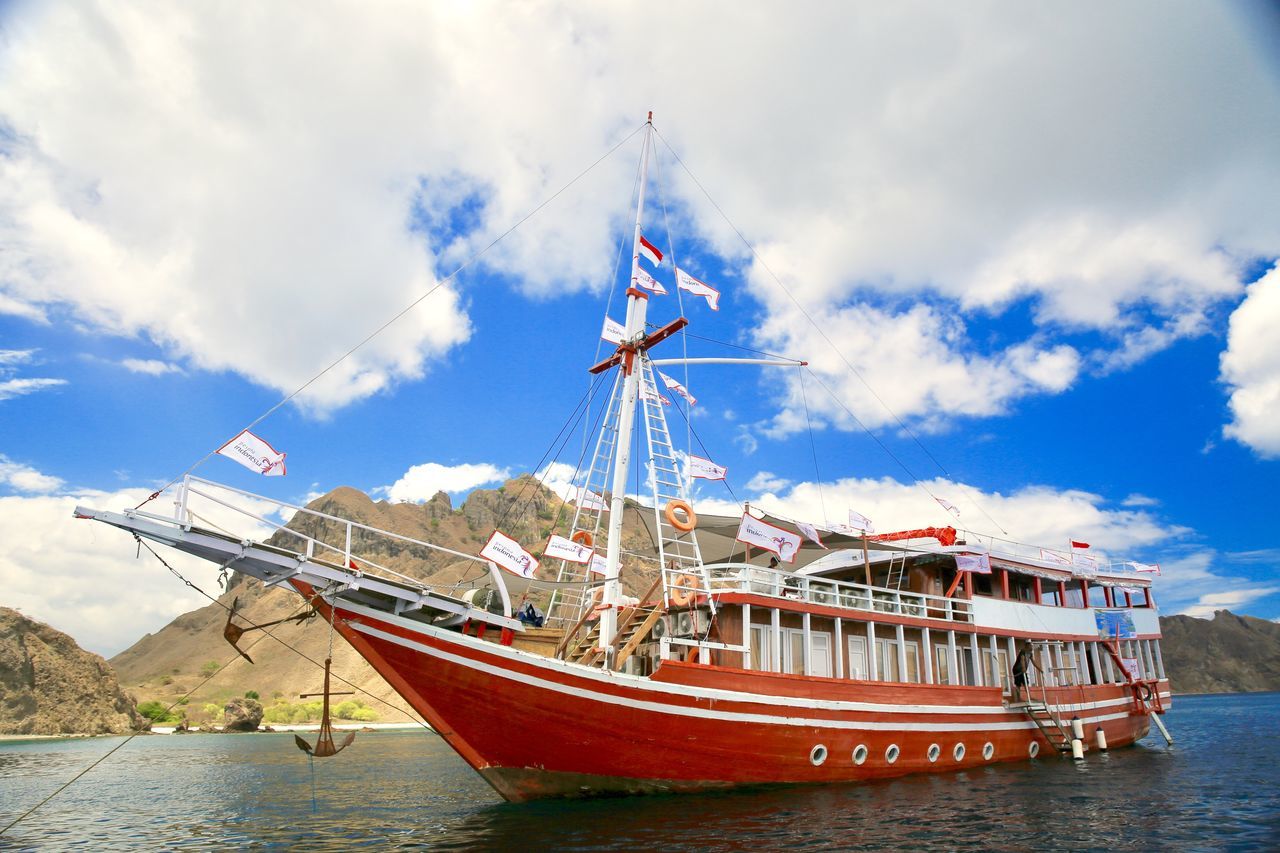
(346, 564)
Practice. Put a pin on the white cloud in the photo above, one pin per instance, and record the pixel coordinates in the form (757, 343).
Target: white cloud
(24, 478)
(1137, 500)
(421, 482)
(212, 181)
(766, 481)
(15, 386)
(149, 366)
(1251, 367)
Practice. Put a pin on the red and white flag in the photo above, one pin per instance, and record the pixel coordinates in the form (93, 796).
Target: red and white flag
(860, 522)
(560, 548)
(648, 282)
(678, 388)
(684, 281)
(613, 331)
(598, 564)
(1075, 544)
(649, 252)
(753, 531)
(588, 499)
(255, 454)
(948, 506)
(810, 532)
(979, 564)
(705, 468)
(509, 554)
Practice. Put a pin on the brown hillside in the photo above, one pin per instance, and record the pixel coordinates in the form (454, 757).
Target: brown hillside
(167, 664)
(1227, 654)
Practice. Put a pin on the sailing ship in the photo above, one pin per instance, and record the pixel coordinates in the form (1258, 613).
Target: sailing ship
(764, 651)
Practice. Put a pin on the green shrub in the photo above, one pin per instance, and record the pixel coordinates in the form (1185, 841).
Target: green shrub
(251, 694)
(157, 712)
(166, 680)
(209, 667)
(184, 700)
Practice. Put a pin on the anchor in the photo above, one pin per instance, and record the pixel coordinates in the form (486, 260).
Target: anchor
(325, 746)
(232, 633)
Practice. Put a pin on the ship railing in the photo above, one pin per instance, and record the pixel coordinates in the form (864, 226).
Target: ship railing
(744, 577)
(262, 507)
(1066, 559)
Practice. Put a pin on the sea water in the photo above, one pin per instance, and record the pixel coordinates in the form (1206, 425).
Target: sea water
(1217, 788)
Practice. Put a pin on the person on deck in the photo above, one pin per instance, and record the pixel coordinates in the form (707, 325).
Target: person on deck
(1021, 664)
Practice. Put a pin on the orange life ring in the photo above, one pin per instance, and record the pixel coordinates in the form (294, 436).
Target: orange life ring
(683, 590)
(691, 517)
(582, 537)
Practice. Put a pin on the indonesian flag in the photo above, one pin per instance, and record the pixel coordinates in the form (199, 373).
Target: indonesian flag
(753, 531)
(649, 252)
(684, 281)
(858, 521)
(588, 499)
(560, 548)
(255, 454)
(678, 388)
(508, 553)
(705, 468)
(1075, 544)
(948, 506)
(598, 564)
(977, 563)
(648, 282)
(613, 331)
(1151, 568)
(811, 533)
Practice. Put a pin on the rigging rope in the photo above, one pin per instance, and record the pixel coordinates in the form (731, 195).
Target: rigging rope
(821, 333)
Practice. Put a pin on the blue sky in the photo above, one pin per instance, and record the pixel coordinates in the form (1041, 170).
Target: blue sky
(1057, 271)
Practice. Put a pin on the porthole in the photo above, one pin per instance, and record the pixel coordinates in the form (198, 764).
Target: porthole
(958, 752)
(891, 754)
(860, 753)
(1034, 749)
(934, 752)
(817, 755)
(988, 751)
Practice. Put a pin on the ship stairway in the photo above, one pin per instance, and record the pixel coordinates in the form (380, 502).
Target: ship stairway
(1055, 730)
(897, 570)
(571, 597)
(635, 624)
(678, 550)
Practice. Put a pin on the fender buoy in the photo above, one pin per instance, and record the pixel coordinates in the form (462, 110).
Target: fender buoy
(690, 520)
(1144, 692)
(582, 537)
(683, 590)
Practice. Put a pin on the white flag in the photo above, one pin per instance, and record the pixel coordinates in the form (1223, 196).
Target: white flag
(705, 468)
(588, 499)
(651, 394)
(678, 388)
(1151, 568)
(598, 564)
(684, 281)
(1054, 557)
(648, 282)
(254, 454)
(948, 506)
(977, 563)
(858, 521)
(509, 554)
(559, 548)
(810, 532)
(613, 331)
(753, 531)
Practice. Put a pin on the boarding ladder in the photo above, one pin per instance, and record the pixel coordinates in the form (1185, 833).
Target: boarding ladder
(570, 597)
(1046, 716)
(582, 642)
(678, 551)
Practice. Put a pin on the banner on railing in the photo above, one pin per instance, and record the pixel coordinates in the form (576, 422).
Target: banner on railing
(509, 554)
(753, 531)
(1054, 557)
(1131, 666)
(255, 454)
(979, 564)
(598, 564)
(560, 548)
(1110, 622)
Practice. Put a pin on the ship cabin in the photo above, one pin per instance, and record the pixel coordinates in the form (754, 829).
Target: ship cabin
(894, 609)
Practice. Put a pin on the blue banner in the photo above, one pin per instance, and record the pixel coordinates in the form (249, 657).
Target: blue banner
(1111, 620)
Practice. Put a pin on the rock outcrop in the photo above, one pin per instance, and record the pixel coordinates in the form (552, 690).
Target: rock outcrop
(242, 714)
(1226, 654)
(49, 685)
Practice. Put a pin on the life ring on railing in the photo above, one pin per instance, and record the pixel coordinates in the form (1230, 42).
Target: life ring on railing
(595, 602)
(690, 520)
(584, 538)
(683, 590)
(1144, 692)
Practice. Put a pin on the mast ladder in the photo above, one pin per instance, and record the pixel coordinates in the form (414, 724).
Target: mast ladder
(897, 570)
(569, 601)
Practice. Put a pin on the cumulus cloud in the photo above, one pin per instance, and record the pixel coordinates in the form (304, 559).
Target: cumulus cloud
(149, 366)
(24, 478)
(421, 482)
(1251, 367)
(209, 179)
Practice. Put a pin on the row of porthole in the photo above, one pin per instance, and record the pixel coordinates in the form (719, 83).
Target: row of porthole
(818, 754)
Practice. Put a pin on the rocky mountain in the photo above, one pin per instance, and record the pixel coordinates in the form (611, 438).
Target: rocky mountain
(49, 685)
(175, 660)
(1226, 654)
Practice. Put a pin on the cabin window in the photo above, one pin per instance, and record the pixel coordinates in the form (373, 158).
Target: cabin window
(1075, 596)
(998, 667)
(858, 658)
(761, 649)
(1097, 596)
(887, 661)
(982, 584)
(793, 652)
(964, 662)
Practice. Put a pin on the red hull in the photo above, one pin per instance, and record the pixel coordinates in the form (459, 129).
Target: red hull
(535, 727)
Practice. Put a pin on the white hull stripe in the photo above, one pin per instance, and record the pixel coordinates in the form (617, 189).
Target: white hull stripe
(640, 683)
(703, 713)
